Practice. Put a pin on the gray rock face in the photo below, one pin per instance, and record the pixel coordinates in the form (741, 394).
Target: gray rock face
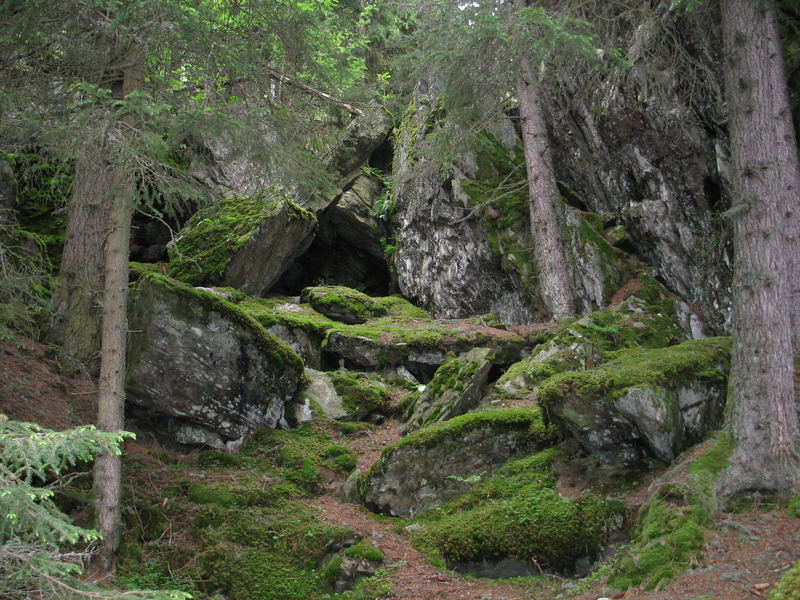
(661, 420)
(444, 262)
(648, 158)
(457, 387)
(322, 392)
(271, 250)
(422, 471)
(195, 357)
(361, 138)
(367, 353)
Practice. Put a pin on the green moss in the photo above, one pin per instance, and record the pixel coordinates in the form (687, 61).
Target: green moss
(365, 551)
(518, 513)
(297, 456)
(706, 358)
(670, 535)
(793, 508)
(510, 419)
(788, 588)
(361, 396)
(355, 304)
(204, 247)
(253, 573)
(220, 495)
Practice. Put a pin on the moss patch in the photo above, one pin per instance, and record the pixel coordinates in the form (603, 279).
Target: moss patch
(365, 551)
(788, 587)
(670, 535)
(361, 395)
(706, 358)
(517, 513)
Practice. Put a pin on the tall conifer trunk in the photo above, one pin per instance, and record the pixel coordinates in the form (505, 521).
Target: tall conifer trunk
(762, 414)
(77, 302)
(555, 281)
(111, 391)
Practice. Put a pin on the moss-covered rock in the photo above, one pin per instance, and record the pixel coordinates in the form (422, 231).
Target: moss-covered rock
(197, 357)
(406, 335)
(456, 388)
(670, 534)
(440, 462)
(660, 400)
(243, 242)
(516, 514)
(342, 303)
(361, 395)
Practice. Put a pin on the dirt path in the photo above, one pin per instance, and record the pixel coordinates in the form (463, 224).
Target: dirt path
(411, 576)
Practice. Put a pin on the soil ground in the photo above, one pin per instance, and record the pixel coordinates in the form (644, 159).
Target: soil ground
(745, 553)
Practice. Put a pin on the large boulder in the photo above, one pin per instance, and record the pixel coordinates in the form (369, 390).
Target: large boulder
(438, 463)
(195, 357)
(655, 402)
(456, 387)
(243, 242)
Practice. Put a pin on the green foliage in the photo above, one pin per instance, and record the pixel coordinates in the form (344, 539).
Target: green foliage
(33, 531)
(25, 283)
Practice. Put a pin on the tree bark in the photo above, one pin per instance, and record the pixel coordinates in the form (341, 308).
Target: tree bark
(111, 390)
(762, 414)
(77, 301)
(555, 281)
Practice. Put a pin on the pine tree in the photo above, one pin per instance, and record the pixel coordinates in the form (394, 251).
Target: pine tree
(38, 542)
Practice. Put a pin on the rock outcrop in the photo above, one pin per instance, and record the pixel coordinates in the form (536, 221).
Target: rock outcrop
(197, 358)
(456, 388)
(435, 464)
(244, 242)
(642, 402)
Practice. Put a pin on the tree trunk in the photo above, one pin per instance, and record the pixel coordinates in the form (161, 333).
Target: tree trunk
(762, 415)
(111, 391)
(77, 302)
(555, 281)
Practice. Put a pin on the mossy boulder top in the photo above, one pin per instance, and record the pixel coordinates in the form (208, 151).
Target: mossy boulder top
(438, 463)
(196, 358)
(342, 304)
(244, 242)
(658, 401)
(456, 388)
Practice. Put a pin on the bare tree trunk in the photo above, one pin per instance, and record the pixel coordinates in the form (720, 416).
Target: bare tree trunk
(762, 414)
(555, 281)
(77, 305)
(111, 391)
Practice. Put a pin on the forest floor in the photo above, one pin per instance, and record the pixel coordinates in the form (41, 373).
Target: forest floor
(745, 553)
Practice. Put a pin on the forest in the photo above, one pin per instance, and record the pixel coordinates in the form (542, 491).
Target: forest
(411, 299)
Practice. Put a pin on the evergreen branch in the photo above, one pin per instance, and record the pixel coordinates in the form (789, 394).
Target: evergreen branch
(283, 78)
